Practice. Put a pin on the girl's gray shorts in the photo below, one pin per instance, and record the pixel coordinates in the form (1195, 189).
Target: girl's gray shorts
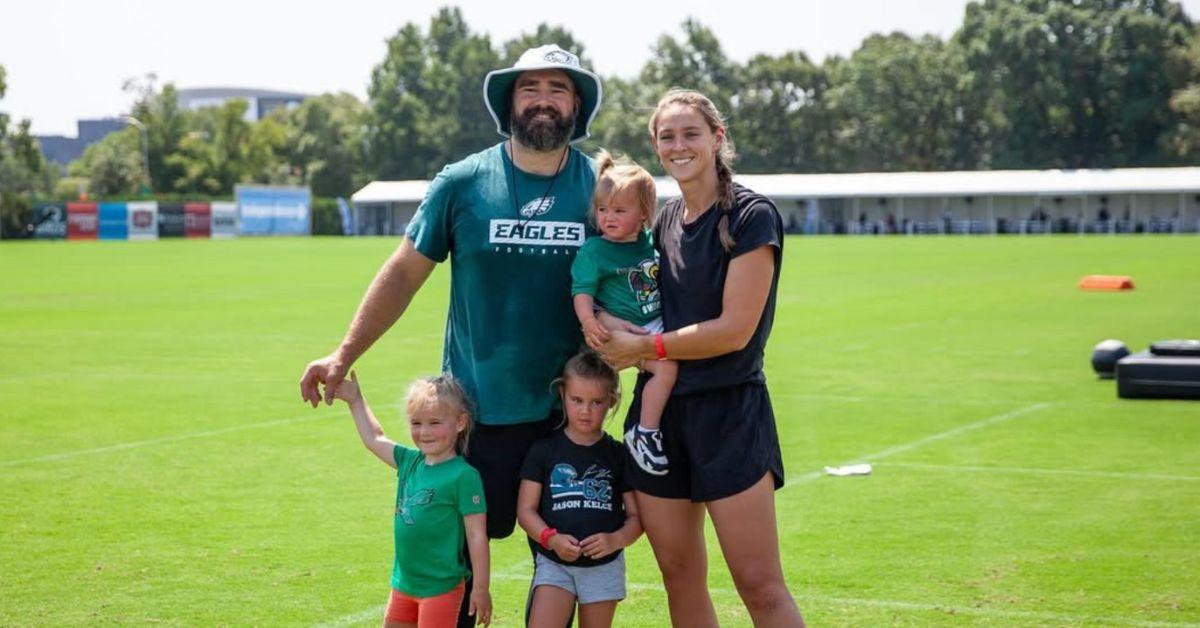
(600, 583)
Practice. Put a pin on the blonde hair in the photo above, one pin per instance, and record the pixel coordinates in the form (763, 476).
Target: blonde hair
(615, 175)
(725, 154)
(444, 393)
(588, 364)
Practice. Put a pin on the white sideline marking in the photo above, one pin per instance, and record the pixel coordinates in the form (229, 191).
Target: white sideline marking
(159, 441)
(374, 613)
(920, 442)
(178, 437)
(1125, 475)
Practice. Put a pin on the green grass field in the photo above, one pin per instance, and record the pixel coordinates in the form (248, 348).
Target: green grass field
(158, 466)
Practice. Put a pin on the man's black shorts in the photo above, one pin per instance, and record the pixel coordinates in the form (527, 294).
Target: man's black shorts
(497, 452)
(718, 443)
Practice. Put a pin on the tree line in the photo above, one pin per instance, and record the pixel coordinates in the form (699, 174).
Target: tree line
(1021, 84)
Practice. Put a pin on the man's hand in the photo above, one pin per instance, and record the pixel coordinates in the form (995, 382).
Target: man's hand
(329, 372)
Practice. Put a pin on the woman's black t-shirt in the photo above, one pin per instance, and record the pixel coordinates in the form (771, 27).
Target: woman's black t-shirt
(582, 489)
(692, 269)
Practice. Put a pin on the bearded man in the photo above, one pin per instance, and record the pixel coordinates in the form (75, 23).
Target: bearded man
(510, 219)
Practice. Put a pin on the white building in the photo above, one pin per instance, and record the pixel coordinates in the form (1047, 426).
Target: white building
(260, 101)
(1125, 200)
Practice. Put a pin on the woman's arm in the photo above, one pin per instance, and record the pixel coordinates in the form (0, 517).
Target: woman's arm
(747, 286)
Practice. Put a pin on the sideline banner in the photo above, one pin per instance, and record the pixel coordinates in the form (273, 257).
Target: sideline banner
(171, 221)
(197, 220)
(82, 221)
(114, 221)
(224, 219)
(143, 220)
(274, 210)
(49, 221)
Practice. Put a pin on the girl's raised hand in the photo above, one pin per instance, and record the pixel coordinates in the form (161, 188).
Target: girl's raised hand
(348, 389)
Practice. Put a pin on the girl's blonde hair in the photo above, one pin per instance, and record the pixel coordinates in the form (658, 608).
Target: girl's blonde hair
(725, 154)
(588, 364)
(614, 175)
(446, 394)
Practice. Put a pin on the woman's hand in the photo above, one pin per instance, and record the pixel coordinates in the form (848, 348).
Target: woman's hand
(625, 349)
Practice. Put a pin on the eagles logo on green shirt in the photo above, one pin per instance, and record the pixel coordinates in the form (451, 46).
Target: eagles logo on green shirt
(511, 326)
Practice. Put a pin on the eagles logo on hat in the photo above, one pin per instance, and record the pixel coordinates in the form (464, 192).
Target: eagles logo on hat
(497, 87)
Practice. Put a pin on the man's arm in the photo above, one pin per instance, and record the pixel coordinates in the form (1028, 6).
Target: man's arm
(386, 299)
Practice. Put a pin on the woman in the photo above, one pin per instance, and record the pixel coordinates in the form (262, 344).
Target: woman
(721, 246)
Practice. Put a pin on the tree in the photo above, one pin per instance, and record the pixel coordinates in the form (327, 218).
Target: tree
(1094, 78)
(896, 105)
(1183, 142)
(782, 121)
(112, 166)
(166, 126)
(620, 127)
(326, 141)
(24, 173)
(224, 150)
(697, 62)
(425, 102)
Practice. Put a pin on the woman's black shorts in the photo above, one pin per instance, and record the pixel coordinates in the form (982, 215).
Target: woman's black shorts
(718, 443)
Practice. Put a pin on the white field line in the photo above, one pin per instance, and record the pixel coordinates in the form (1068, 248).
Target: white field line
(375, 613)
(178, 437)
(1121, 475)
(921, 442)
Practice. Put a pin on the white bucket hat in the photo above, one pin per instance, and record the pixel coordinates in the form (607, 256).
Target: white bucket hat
(497, 87)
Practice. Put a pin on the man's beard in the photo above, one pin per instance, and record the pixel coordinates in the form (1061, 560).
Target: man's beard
(542, 135)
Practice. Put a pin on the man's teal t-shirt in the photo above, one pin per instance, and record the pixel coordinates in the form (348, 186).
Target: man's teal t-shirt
(511, 325)
(431, 501)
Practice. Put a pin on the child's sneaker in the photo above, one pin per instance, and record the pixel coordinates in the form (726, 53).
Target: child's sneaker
(647, 449)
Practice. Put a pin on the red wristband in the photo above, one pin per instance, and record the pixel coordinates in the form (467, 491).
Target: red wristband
(659, 349)
(544, 537)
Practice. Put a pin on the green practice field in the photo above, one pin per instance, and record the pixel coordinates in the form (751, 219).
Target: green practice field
(158, 466)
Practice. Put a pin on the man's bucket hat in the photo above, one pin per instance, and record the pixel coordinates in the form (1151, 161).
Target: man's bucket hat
(497, 87)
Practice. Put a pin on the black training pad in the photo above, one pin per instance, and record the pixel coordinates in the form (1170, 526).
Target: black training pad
(1176, 347)
(1145, 375)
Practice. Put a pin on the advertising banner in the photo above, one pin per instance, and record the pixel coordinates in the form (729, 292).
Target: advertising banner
(82, 221)
(224, 219)
(197, 220)
(274, 210)
(49, 221)
(171, 221)
(143, 220)
(114, 221)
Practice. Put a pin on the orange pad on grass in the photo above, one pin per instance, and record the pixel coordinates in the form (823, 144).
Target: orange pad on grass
(1106, 282)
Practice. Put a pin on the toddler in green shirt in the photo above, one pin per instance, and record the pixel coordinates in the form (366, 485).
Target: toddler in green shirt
(616, 274)
(439, 503)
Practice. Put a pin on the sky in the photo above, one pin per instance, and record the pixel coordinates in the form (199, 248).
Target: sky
(68, 59)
